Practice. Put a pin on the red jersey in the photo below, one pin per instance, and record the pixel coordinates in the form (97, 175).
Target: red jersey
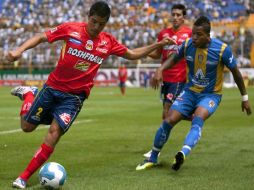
(80, 57)
(122, 74)
(178, 72)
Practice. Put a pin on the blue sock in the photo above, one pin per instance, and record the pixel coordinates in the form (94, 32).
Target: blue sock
(193, 136)
(160, 139)
(154, 156)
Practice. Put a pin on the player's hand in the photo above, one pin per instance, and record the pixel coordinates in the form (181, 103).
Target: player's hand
(157, 78)
(13, 55)
(168, 41)
(246, 107)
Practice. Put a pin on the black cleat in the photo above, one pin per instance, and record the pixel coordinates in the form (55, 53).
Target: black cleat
(178, 161)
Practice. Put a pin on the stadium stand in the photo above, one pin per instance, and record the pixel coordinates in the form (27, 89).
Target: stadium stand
(135, 23)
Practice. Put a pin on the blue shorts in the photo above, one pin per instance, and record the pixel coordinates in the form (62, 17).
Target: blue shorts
(51, 103)
(170, 90)
(188, 101)
(121, 84)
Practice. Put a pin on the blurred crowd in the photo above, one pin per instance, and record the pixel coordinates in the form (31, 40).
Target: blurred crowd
(133, 22)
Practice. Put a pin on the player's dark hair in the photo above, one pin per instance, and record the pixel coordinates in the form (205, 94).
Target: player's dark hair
(100, 8)
(204, 22)
(179, 6)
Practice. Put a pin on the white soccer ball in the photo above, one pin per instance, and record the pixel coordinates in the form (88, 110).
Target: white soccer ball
(52, 175)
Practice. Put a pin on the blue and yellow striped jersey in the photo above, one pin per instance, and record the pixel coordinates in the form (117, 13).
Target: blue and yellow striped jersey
(205, 66)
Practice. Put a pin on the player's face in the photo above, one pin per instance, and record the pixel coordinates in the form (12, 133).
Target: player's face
(177, 18)
(95, 25)
(199, 37)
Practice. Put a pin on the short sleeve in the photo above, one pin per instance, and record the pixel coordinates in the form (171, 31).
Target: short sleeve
(181, 50)
(117, 48)
(228, 58)
(57, 33)
(159, 37)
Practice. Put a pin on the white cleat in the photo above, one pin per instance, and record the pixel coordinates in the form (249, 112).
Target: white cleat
(19, 183)
(148, 154)
(21, 90)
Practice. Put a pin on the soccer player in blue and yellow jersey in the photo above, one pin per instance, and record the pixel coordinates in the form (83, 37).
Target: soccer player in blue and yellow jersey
(175, 77)
(206, 58)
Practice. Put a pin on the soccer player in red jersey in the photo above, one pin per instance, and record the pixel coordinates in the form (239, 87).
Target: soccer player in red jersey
(122, 76)
(84, 49)
(174, 78)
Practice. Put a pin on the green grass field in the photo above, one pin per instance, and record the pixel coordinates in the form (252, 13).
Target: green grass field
(103, 147)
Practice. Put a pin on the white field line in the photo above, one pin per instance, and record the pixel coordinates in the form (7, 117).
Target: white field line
(10, 118)
(45, 127)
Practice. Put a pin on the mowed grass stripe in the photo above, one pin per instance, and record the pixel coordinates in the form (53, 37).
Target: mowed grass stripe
(102, 154)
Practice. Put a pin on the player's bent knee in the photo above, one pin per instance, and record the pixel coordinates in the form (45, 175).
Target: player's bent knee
(27, 127)
(170, 119)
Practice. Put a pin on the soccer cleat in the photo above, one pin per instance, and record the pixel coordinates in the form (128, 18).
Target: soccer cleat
(19, 183)
(178, 161)
(145, 165)
(148, 154)
(21, 90)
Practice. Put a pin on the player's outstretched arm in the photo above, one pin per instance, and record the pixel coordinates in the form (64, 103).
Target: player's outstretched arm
(30, 43)
(240, 84)
(157, 78)
(156, 54)
(138, 53)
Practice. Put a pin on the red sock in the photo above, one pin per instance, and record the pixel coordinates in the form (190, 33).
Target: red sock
(39, 158)
(28, 100)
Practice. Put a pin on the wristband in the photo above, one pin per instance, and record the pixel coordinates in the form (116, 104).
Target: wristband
(245, 97)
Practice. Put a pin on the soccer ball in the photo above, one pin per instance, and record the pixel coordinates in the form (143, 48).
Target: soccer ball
(52, 175)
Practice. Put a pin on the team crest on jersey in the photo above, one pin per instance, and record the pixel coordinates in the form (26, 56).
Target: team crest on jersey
(211, 103)
(89, 45)
(82, 65)
(66, 118)
(200, 59)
